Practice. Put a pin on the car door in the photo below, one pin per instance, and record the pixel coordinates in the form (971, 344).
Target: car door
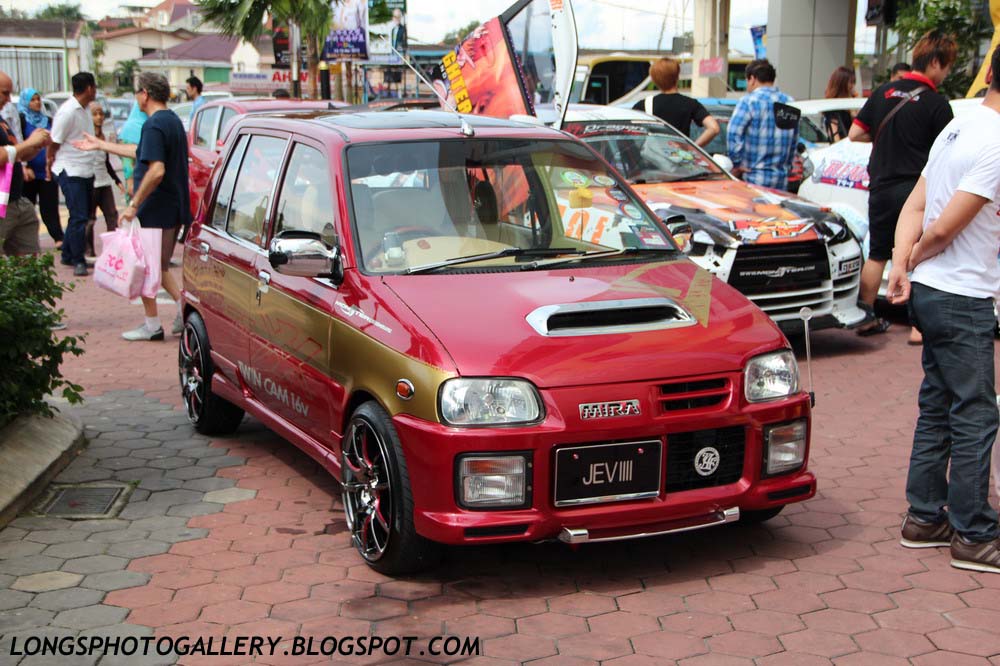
(230, 246)
(291, 324)
(202, 153)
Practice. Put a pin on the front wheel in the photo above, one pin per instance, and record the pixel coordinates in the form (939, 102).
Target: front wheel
(378, 503)
(208, 413)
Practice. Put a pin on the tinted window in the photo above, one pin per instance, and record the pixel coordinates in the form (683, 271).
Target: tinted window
(228, 115)
(251, 196)
(224, 194)
(206, 126)
(305, 202)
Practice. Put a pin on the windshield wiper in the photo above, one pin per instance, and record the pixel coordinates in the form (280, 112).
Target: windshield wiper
(506, 252)
(705, 175)
(600, 254)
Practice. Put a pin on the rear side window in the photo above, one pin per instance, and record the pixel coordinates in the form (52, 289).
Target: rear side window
(224, 195)
(251, 195)
(305, 202)
(228, 115)
(205, 126)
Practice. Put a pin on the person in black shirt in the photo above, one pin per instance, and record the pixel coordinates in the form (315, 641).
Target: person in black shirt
(161, 199)
(840, 85)
(901, 119)
(899, 70)
(677, 109)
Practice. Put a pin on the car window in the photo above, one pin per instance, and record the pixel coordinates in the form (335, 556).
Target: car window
(489, 195)
(227, 118)
(205, 126)
(305, 202)
(251, 195)
(224, 194)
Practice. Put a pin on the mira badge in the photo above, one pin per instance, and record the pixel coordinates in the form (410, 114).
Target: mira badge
(609, 410)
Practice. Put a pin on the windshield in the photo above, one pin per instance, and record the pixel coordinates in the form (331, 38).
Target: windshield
(418, 204)
(119, 110)
(647, 152)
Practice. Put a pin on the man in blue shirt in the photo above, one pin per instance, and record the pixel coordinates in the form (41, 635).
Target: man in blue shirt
(194, 88)
(761, 150)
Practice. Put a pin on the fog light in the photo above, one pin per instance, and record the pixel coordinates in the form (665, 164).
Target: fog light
(492, 481)
(785, 447)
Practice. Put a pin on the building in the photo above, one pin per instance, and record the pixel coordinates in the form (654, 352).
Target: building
(209, 57)
(172, 15)
(43, 54)
(136, 42)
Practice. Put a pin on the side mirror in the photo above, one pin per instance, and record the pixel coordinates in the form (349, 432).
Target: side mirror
(304, 254)
(723, 161)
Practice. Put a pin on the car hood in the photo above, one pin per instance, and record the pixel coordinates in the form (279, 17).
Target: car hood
(732, 213)
(484, 320)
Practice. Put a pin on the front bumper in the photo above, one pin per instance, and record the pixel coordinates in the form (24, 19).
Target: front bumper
(431, 450)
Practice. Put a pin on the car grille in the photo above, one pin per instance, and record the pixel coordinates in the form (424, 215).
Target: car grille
(682, 447)
(781, 278)
(695, 394)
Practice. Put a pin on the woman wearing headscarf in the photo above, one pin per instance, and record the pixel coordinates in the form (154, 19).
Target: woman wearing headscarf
(130, 133)
(39, 191)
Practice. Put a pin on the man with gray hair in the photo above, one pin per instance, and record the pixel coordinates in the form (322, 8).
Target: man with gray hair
(161, 200)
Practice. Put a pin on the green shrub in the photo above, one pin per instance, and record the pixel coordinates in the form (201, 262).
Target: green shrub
(30, 355)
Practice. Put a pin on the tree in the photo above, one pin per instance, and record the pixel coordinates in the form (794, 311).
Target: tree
(955, 17)
(64, 11)
(245, 19)
(125, 73)
(12, 13)
(457, 35)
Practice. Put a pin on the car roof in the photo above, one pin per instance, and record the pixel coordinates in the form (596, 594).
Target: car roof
(265, 104)
(815, 106)
(373, 125)
(581, 113)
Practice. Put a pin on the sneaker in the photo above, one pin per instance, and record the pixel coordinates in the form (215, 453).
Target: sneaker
(918, 534)
(80, 270)
(178, 326)
(984, 556)
(90, 260)
(143, 333)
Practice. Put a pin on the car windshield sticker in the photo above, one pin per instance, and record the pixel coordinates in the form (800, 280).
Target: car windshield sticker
(649, 237)
(617, 194)
(604, 181)
(632, 211)
(574, 178)
(679, 155)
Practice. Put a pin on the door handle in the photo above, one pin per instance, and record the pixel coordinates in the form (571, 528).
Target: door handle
(263, 280)
(203, 249)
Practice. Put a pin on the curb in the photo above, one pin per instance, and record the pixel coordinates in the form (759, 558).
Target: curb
(33, 450)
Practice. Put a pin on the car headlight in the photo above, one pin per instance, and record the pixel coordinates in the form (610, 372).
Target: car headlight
(486, 481)
(771, 376)
(489, 401)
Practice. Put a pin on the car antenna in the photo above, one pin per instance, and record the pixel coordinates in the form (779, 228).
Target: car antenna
(805, 314)
(466, 127)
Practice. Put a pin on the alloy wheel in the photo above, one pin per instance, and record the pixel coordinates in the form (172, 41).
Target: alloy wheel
(368, 497)
(192, 373)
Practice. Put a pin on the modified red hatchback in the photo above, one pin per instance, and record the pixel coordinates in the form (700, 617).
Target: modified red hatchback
(396, 294)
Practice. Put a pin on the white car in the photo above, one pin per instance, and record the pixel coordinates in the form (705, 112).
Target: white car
(779, 250)
(840, 180)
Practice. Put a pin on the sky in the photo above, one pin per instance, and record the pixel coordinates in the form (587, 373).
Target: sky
(610, 24)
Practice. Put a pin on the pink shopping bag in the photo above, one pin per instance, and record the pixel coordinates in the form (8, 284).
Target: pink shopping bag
(121, 268)
(6, 175)
(152, 242)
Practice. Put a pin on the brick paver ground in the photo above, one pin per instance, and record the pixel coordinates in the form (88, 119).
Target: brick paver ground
(244, 536)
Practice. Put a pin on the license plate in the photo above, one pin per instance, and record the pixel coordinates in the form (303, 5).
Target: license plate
(608, 473)
(850, 266)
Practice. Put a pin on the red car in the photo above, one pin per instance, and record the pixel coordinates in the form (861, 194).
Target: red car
(210, 124)
(397, 294)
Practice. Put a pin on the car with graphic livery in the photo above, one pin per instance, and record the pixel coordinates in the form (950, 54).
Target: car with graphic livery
(404, 296)
(781, 251)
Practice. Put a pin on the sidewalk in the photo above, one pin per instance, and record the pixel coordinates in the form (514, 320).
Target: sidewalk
(245, 536)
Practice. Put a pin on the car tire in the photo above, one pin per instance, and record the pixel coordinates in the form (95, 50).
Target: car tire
(760, 516)
(208, 413)
(374, 474)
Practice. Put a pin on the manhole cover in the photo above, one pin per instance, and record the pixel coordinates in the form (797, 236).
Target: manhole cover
(83, 501)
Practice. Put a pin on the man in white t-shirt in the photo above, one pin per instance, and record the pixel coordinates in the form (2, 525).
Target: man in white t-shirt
(948, 236)
(73, 167)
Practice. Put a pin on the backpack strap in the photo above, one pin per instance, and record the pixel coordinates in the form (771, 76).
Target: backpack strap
(906, 97)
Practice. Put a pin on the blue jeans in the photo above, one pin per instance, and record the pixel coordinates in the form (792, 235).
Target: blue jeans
(958, 413)
(77, 192)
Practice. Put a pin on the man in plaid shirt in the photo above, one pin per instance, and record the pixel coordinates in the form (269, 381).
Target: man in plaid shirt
(761, 152)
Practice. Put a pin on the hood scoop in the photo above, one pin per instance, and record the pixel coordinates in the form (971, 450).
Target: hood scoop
(609, 317)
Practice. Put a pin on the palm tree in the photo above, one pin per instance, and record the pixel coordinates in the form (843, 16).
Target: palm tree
(245, 19)
(125, 73)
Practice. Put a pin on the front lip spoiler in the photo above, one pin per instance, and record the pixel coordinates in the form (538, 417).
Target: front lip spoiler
(582, 535)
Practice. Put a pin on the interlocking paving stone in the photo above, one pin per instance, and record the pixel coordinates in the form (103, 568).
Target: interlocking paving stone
(46, 581)
(60, 600)
(230, 495)
(23, 618)
(10, 599)
(95, 564)
(130, 549)
(115, 580)
(90, 617)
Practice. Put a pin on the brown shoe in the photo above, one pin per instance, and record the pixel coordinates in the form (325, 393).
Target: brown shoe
(918, 534)
(983, 556)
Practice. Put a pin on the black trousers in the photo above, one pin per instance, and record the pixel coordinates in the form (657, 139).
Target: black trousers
(45, 194)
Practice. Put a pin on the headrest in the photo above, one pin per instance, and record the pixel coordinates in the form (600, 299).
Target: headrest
(484, 202)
